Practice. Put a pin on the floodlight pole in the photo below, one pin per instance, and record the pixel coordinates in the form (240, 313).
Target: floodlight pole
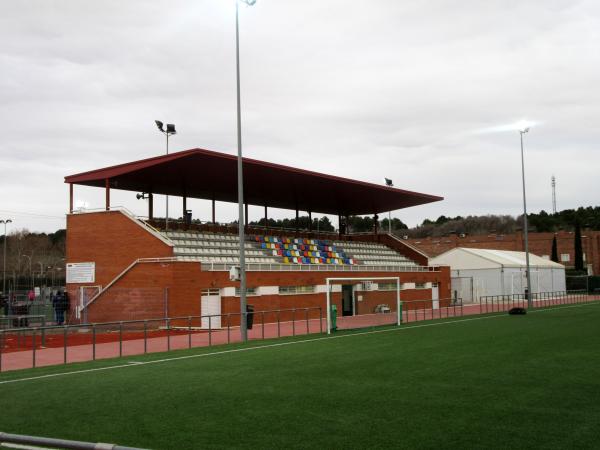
(5, 222)
(525, 226)
(168, 132)
(167, 199)
(240, 180)
(390, 184)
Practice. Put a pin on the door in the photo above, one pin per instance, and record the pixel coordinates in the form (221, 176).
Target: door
(462, 289)
(210, 305)
(435, 295)
(347, 300)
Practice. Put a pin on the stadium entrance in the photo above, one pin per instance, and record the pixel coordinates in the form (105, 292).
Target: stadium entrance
(347, 300)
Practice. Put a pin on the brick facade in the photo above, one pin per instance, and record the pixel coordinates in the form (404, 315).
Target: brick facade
(154, 289)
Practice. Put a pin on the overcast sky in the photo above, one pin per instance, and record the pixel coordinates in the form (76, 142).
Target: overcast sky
(419, 92)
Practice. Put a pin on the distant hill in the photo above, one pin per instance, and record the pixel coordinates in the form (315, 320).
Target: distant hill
(588, 217)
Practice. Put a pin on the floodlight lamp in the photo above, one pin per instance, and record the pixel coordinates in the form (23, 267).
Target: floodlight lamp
(171, 128)
(388, 182)
(248, 2)
(523, 125)
(159, 124)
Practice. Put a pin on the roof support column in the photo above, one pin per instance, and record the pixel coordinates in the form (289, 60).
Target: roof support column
(342, 224)
(107, 189)
(297, 220)
(246, 216)
(375, 224)
(150, 206)
(184, 206)
(70, 198)
(310, 221)
(266, 218)
(213, 211)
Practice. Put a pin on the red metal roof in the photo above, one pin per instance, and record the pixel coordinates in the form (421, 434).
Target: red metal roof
(205, 174)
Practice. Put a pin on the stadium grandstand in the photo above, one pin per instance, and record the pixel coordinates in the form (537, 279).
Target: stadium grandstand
(120, 266)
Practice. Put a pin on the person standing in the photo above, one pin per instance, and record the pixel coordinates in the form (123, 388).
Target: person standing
(60, 306)
(4, 303)
(54, 301)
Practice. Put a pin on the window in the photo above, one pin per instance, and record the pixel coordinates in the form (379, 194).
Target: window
(419, 285)
(288, 290)
(391, 286)
(206, 292)
(249, 291)
(564, 257)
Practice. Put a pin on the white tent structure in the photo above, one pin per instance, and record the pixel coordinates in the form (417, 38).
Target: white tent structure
(477, 272)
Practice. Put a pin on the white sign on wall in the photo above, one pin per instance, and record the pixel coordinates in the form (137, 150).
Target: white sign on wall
(84, 272)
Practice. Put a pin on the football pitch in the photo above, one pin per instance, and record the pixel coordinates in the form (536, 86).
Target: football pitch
(494, 381)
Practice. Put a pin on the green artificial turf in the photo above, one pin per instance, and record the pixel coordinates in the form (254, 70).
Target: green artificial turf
(497, 381)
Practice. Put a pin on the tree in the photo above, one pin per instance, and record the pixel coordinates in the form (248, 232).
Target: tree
(554, 256)
(397, 224)
(578, 247)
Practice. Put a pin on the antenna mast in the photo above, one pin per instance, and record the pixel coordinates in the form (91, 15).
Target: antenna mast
(553, 194)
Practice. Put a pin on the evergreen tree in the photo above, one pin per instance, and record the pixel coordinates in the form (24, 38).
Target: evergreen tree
(578, 247)
(554, 256)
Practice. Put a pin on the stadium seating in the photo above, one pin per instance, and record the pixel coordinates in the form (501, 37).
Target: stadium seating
(370, 253)
(224, 248)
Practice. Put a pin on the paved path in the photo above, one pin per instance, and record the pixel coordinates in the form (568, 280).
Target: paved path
(88, 352)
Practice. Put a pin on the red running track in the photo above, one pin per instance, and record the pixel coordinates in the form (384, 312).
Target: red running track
(181, 339)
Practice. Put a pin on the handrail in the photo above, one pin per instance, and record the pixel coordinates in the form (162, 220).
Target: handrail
(22, 439)
(127, 269)
(137, 219)
(278, 267)
(412, 247)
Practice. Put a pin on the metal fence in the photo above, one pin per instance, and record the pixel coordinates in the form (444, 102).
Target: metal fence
(30, 347)
(34, 346)
(20, 305)
(498, 303)
(418, 310)
(24, 442)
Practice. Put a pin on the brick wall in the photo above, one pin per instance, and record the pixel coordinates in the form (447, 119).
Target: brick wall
(153, 289)
(539, 244)
(112, 241)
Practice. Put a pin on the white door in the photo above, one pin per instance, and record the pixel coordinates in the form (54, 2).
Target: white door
(210, 305)
(435, 295)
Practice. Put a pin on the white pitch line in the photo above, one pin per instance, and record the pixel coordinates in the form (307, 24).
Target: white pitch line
(278, 344)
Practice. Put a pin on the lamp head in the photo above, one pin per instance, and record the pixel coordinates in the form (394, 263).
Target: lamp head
(248, 2)
(388, 182)
(171, 128)
(159, 124)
